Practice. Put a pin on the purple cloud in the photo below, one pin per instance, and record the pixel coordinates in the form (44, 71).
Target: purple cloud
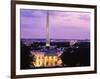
(63, 25)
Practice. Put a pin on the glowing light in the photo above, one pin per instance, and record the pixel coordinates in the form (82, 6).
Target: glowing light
(42, 60)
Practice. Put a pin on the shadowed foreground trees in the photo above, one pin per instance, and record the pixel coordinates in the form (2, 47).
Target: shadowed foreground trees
(26, 57)
(76, 56)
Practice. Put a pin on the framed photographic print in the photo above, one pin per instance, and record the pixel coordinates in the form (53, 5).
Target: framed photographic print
(52, 39)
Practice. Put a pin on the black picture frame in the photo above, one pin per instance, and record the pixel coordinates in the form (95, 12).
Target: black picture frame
(13, 38)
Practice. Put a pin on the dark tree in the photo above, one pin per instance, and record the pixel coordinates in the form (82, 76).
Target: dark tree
(85, 56)
(77, 56)
(70, 57)
(26, 57)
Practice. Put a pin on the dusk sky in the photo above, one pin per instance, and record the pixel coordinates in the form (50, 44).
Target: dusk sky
(63, 24)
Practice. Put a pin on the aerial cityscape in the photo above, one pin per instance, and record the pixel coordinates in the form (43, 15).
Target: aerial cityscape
(51, 38)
